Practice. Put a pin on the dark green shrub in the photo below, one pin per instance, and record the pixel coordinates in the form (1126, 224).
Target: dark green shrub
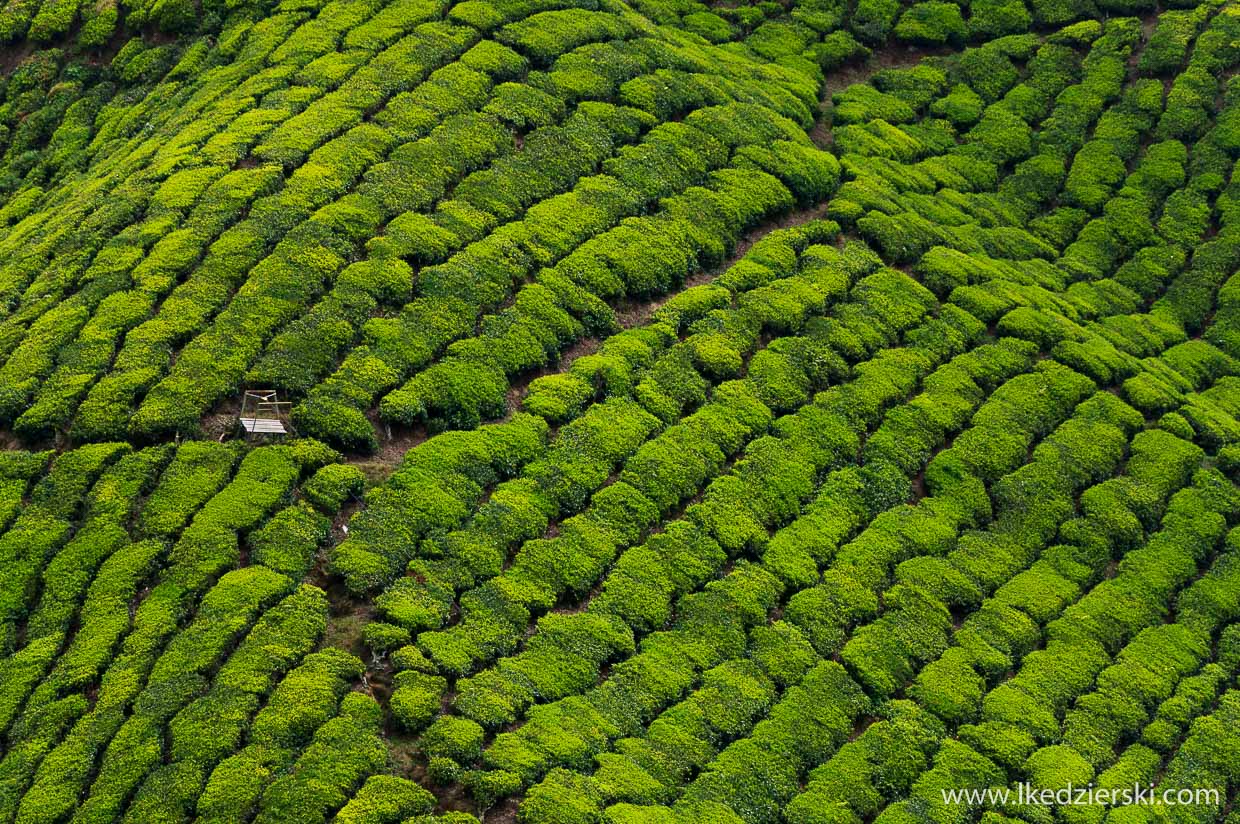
(931, 23)
(334, 485)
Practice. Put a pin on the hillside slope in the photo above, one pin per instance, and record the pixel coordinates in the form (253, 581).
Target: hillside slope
(703, 413)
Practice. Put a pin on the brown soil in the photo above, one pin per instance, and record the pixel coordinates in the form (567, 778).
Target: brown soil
(396, 440)
(503, 813)
(347, 616)
(221, 424)
(13, 54)
(519, 387)
(454, 798)
(892, 57)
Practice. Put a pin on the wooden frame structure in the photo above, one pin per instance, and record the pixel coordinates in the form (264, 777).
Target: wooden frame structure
(262, 413)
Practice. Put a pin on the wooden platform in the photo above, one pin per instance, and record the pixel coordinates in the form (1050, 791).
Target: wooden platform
(263, 426)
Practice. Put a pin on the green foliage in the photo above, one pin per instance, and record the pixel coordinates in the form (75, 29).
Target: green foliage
(333, 486)
(931, 23)
(680, 503)
(386, 798)
(290, 540)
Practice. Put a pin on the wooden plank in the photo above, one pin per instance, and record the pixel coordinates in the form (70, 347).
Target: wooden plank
(263, 426)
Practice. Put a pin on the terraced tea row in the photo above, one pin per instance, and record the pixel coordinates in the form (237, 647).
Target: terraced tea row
(685, 433)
